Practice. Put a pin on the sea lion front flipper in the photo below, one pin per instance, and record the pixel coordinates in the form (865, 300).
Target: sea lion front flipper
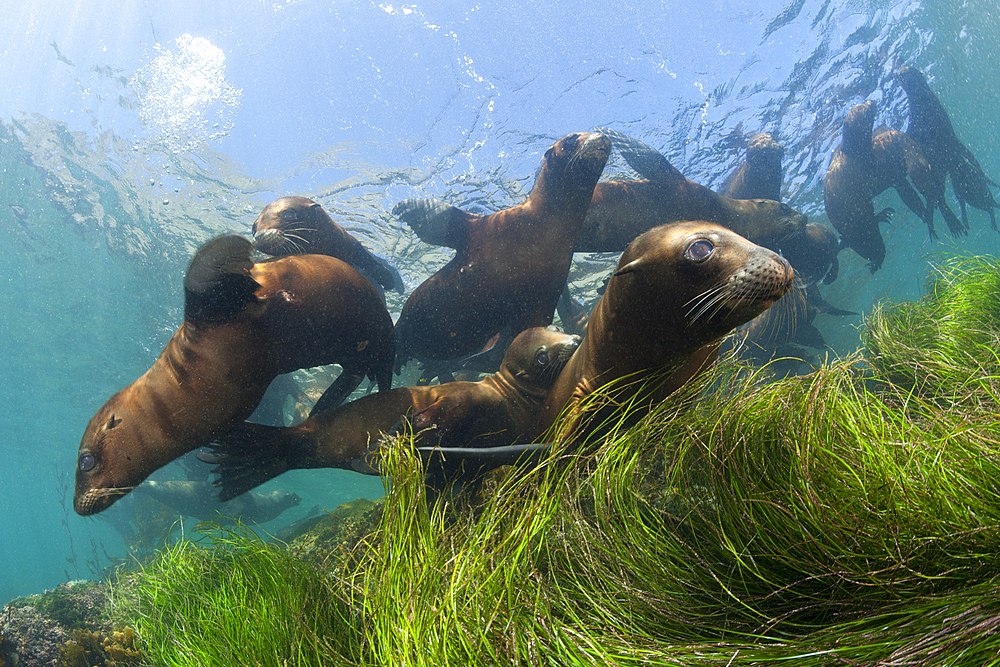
(218, 285)
(246, 457)
(436, 222)
(646, 160)
(338, 390)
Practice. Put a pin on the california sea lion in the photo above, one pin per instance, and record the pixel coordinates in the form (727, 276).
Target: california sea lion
(197, 499)
(244, 324)
(759, 177)
(678, 289)
(622, 210)
(931, 128)
(499, 410)
(297, 225)
(510, 266)
(863, 166)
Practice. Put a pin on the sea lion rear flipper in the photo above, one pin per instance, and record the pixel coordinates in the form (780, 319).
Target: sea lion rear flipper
(338, 390)
(436, 222)
(646, 160)
(218, 285)
(246, 457)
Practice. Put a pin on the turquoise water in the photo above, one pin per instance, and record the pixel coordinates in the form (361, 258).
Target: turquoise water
(129, 136)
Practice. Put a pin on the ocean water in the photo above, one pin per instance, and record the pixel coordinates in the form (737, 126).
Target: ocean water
(131, 134)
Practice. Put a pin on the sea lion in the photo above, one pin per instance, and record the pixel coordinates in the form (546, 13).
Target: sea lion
(244, 324)
(862, 167)
(759, 177)
(498, 410)
(678, 289)
(622, 210)
(931, 128)
(510, 266)
(197, 499)
(297, 226)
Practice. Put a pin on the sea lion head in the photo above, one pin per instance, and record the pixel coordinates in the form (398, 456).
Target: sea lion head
(912, 81)
(286, 226)
(857, 133)
(765, 154)
(812, 253)
(537, 356)
(571, 166)
(773, 220)
(109, 463)
(694, 282)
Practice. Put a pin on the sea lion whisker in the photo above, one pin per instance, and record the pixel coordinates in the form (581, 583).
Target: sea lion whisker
(707, 294)
(716, 303)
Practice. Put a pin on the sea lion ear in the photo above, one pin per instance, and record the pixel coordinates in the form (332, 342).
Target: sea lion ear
(113, 422)
(218, 283)
(631, 267)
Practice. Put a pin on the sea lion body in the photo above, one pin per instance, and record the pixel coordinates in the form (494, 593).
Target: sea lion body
(244, 324)
(862, 167)
(931, 128)
(678, 289)
(498, 410)
(759, 177)
(197, 499)
(298, 225)
(511, 266)
(621, 210)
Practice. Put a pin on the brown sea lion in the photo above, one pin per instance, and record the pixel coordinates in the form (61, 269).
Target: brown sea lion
(622, 210)
(931, 128)
(197, 499)
(244, 324)
(510, 266)
(678, 289)
(497, 411)
(297, 226)
(863, 166)
(759, 177)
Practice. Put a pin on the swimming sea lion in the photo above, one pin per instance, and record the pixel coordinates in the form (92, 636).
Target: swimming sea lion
(297, 226)
(678, 289)
(244, 324)
(759, 177)
(510, 266)
(863, 166)
(622, 210)
(498, 410)
(812, 252)
(931, 128)
(197, 499)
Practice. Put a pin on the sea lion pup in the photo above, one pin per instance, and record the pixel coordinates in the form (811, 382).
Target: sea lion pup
(759, 177)
(510, 266)
(497, 411)
(860, 169)
(298, 226)
(197, 499)
(244, 324)
(931, 128)
(678, 289)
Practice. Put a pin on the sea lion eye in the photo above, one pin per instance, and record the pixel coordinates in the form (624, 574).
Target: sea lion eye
(542, 356)
(700, 250)
(290, 214)
(87, 462)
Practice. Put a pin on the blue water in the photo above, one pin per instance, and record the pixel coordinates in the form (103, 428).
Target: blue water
(132, 132)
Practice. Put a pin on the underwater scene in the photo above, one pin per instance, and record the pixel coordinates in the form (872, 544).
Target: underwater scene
(768, 431)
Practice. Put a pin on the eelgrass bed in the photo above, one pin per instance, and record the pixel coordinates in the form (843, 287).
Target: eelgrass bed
(833, 518)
